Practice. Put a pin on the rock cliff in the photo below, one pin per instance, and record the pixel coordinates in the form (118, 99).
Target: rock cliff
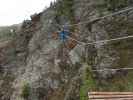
(36, 65)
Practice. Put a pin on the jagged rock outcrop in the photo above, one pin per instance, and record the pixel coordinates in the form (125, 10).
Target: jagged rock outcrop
(37, 65)
(48, 70)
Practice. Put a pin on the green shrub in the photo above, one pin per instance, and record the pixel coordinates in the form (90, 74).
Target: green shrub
(65, 8)
(116, 4)
(7, 32)
(25, 91)
(89, 84)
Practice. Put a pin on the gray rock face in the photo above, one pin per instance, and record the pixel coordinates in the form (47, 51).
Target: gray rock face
(47, 66)
(39, 66)
(105, 54)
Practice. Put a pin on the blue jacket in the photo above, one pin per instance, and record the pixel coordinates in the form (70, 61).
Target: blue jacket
(63, 35)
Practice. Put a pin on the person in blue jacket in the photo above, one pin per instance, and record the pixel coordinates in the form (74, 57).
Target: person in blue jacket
(63, 35)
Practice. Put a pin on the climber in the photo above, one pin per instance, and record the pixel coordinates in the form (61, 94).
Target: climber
(63, 35)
